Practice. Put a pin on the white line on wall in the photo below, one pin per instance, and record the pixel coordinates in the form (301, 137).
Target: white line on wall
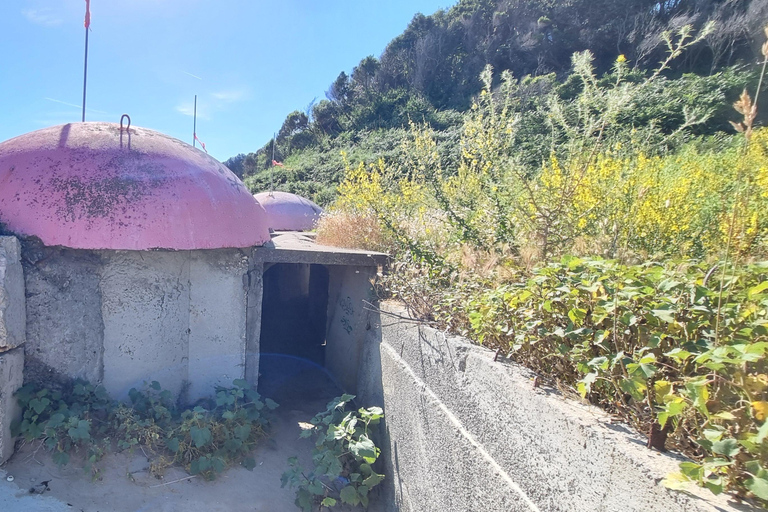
(463, 431)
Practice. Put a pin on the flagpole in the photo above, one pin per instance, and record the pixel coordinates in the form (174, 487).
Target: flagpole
(85, 65)
(272, 173)
(194, 123)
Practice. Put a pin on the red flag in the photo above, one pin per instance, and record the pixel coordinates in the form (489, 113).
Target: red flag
(87, 13)
(201, 143)
(275, 162)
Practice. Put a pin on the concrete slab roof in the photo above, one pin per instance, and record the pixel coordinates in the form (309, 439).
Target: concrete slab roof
(295, 247)
(105, 186)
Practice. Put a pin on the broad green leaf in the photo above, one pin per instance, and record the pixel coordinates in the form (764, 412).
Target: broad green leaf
(60, 458)
(55, 420)
(200, 436)
(242, 432)
(81, 431)
(328, 502)
(218, 464)
(304, 500)
(39, 405)
(758, 486)
(728, 447)
(173, 444)
(364, 448)
(724, 415)
(665, 315)
(755, 290)
(762, 433)
(373, 480)
(349, 495)
(679, 354)
(241, 383)
(316, 488)
(577, 315)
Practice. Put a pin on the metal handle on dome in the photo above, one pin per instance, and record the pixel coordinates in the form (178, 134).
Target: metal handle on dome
(121, 122)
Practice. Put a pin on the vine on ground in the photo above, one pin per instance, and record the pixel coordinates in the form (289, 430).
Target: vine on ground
(204, 441)
(343, 458)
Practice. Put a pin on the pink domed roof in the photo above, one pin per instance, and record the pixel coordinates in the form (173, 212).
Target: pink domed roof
(289, 212)
(93, 186)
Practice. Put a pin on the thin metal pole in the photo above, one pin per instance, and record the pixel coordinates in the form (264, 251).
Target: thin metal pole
(272, 165)
(194, 124)
(85, 71)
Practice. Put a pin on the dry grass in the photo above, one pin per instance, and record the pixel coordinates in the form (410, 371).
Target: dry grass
(353, 231)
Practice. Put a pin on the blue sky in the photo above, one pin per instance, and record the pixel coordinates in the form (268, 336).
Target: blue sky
(250, 62)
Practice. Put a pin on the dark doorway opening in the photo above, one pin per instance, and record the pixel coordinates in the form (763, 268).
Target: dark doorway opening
(293, 326)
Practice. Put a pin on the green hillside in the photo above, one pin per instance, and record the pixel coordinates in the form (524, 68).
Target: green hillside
(431, 72)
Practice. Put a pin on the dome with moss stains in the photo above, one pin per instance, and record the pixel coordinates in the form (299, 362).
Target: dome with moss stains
(100, 186)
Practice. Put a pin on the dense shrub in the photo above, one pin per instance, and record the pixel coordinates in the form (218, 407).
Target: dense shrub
(675, 345)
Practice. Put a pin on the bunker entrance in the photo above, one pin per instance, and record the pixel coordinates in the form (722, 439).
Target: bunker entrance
(293, 327)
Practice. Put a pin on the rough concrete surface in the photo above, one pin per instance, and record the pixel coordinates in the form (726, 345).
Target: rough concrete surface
(217, 320)
(145, 309)
(12, 306)
(465, 433)
(254, 281)
(11, 379)
(293, 247)
(125, 317)
(350, 291)
(65, 331)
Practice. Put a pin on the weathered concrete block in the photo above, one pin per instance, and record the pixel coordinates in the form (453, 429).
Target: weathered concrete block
(350, 288)
(12, 304)
(254, 282)
(217, 315)
(465, 432)
(65, 332)
(145, 310)
(11, 379)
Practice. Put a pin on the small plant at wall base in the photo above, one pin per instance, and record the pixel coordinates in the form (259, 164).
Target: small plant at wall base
(204, 440)
(343, 458)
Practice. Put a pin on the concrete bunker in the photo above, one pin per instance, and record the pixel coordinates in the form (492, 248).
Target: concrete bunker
(134, 257)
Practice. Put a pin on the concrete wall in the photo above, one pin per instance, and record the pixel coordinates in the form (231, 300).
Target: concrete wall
(11, 379)
(254, 281)
(12, 308)
(12, 338)
(349, 290)
(122, 318)
(465, 433)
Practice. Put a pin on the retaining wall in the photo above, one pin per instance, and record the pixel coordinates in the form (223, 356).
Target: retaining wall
(465, 433)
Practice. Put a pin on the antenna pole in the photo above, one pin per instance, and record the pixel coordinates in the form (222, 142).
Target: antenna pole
(194, 124)
(272, 164)
(85, 70)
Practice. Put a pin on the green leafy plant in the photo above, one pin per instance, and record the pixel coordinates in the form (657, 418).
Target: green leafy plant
(77, 419)
(343, 458)
(204, 440)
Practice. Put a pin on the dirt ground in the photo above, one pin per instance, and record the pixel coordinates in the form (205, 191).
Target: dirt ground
(125, 484)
